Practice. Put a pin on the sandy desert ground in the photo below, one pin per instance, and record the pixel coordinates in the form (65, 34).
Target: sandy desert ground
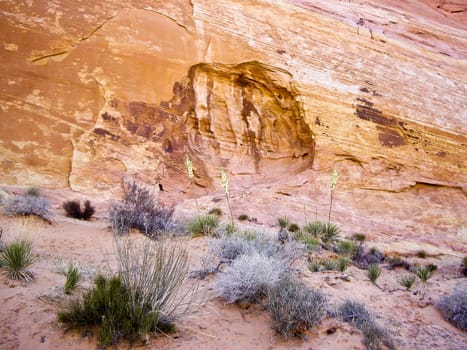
(28, 310)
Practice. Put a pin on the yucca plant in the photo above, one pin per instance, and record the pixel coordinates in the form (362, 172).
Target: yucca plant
(315, 228)
(73, 276)
(407, 281)
(329, 264)
(426, 272)
(314, 265)
(191, 176)
(332, 185)
(16, 257)
(374, 271)
(331, 233)
(225, 186)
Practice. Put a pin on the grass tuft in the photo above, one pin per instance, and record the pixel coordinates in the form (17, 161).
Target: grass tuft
(203, 225)
(407, 281)
(16, 257)
(73, 276)
(374, 271)
(426, 272)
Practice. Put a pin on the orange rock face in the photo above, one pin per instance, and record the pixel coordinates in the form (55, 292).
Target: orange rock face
(278, 94)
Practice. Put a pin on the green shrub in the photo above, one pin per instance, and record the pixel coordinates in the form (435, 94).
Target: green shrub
(295, 308)
(283, 222)
(29, 205)
(243, 217)
(407, 281)
(374, 271)
(422, 254)
(143, 297)
(73, 210)
(356, 314)
(33, 191)
(359, 237)
(139, 210)
(16, 257)
(203, 225)
(343, 263)
(454, 307)
(426, 272)
(347, 248)
(215, 211)
(293, 227)
(73, 277)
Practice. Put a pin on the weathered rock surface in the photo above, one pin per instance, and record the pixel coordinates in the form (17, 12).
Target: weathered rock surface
(266, 89)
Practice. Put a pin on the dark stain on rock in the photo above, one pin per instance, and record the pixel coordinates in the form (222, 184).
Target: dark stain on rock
(390, 137)
(105, 133)
(366, 111)
(108, 117)
(364, 89)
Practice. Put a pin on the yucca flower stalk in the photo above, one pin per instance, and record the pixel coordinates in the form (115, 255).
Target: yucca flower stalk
(191, 176)
(225, 186)
(332, 185)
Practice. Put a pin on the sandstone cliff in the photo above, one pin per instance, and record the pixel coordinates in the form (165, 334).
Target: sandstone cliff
(277, 92)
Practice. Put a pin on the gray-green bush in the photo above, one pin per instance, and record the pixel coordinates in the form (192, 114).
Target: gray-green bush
(374, 335)
(29, 205)
(139, 210)
(249, 277)
(453, 307)
(295, 308)
(203, 225)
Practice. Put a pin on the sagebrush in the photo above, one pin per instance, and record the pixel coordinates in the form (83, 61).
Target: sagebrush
(29, 205)
(453, 307)
(249, 277)
(139, 210)
(295, 308)
(374, 335)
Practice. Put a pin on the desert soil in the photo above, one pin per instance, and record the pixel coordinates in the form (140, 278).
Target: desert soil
(28, 310)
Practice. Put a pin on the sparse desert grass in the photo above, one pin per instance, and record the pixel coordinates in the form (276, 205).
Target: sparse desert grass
(29, 205)
(422, 254)
(73, 276)
(293, 227)
(139, 210)
(16, 258)
(453, 307)
(343, 263)
(73, 210)
(374, 271)
(356, 314)
(144, 297)
(283, 222)
(295, 308)
(425, 272)
(203, 225)
(347, 248)
(407, 281)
